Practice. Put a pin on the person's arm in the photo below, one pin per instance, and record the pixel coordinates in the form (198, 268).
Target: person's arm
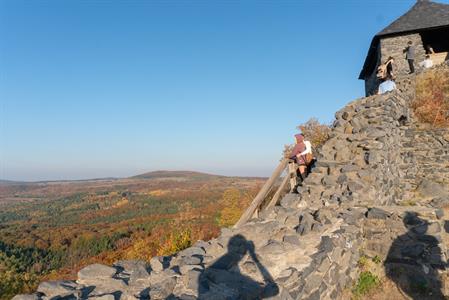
(293, 153)
(308, 148)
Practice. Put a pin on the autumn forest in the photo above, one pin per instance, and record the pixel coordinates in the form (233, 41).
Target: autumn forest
(50, 230)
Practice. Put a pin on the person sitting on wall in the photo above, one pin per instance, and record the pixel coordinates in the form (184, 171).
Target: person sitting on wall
(410, 56)
(427, 63)
(387, 85)
(302, 154)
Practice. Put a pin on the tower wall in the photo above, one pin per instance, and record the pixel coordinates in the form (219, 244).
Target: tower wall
(394, 47)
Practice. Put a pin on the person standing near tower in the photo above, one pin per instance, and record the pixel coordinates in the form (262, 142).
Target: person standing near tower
(410, 56)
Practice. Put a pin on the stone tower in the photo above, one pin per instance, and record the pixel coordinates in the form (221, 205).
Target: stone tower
(425, 24)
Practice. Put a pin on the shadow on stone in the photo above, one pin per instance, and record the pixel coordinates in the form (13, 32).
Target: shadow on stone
(223, 279)
(414, 260)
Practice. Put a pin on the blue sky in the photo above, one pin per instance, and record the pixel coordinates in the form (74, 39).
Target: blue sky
(115, 88)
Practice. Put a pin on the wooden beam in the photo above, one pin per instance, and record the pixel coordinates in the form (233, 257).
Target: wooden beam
(277, 195)
(262, 194)
(292, 167)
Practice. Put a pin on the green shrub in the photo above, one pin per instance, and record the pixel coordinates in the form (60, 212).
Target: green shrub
(367, 282)
(377, 260)
(363, 261)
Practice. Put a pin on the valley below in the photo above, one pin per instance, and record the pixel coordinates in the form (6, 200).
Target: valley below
(52, 229)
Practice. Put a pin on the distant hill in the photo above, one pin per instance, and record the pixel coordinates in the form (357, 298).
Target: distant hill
(12, 182)
(175, 174)
(8, 182)
(160, 174)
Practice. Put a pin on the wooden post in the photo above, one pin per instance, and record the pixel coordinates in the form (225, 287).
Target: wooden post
(276, 196)
(262, 194)
(292, 167)
(255, 214)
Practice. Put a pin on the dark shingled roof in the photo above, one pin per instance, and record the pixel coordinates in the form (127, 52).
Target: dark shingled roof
(423, 15)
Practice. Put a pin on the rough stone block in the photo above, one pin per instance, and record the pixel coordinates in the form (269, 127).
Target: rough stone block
(157, 263)
(377, 213)
(292, 239)
(312, 282)
(191, 279)
(96, 271)
(61, 288)
(130, 266)
(25, 297)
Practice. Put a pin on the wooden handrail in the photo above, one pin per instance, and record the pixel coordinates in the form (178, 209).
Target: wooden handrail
(278, 193)
(262, 193)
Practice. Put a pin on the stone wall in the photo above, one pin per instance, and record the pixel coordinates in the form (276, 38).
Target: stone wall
(412, 243)
(378, 154)
(425, 174)
(359, 164)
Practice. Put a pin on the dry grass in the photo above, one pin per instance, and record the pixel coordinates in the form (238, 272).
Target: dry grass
(431, 104)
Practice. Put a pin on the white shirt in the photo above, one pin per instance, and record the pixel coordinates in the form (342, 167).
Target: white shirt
(308, 148)
(387, 86)
(427, 63)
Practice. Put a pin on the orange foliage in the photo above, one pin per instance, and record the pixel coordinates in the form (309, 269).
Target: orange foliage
(93, 223)
(431, 104)
(175, 242)
(235, 204)
(315, 132)
(141, 249)
(232, 210)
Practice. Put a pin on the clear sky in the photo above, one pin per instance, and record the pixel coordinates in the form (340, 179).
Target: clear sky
(116, 88)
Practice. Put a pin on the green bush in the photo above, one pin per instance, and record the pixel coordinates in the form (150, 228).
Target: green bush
(367, 282)
(20, 268)
(377, 260)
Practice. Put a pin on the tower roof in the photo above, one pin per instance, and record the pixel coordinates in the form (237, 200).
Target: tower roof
(423, 15)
